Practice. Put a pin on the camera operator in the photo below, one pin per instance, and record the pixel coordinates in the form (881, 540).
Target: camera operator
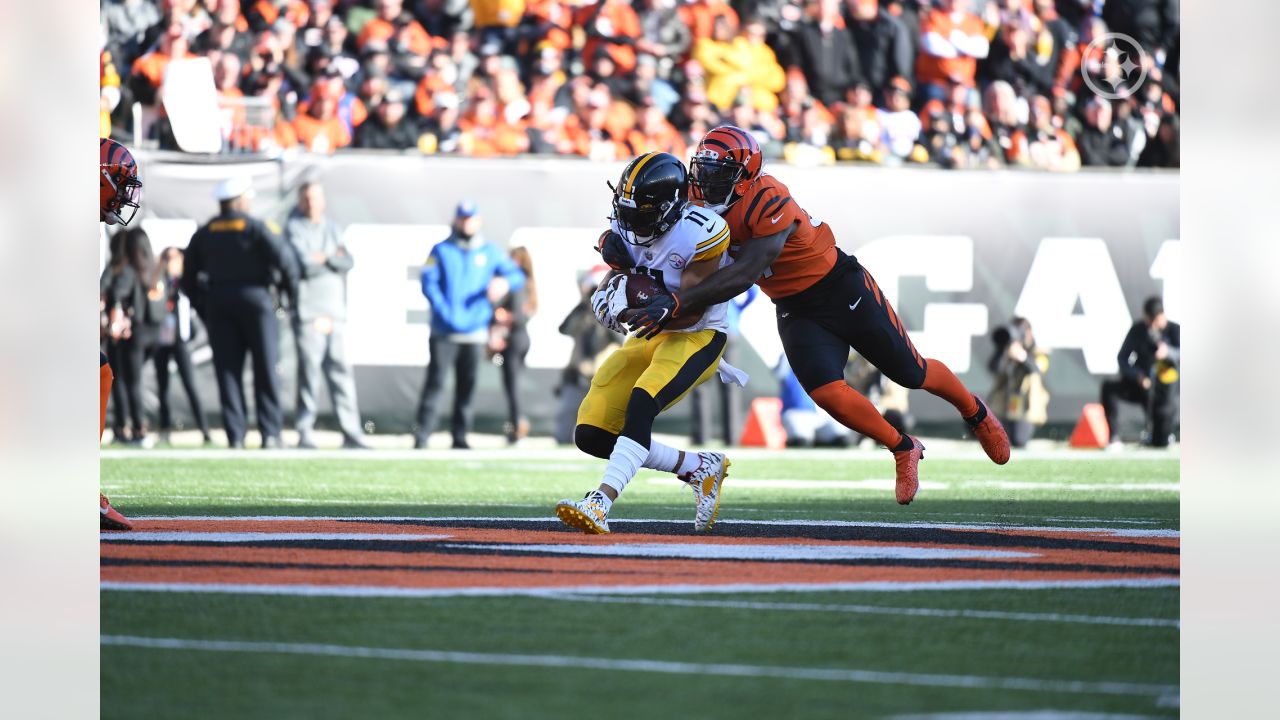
(1148, 373)
(1018, 396)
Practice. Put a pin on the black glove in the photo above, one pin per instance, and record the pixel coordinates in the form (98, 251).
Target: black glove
(651, 319)
(613, 250)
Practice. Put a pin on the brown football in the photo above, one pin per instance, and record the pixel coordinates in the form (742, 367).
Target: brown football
(640, 287)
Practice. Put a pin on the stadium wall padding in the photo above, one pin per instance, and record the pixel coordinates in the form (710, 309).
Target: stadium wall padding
(957, 253)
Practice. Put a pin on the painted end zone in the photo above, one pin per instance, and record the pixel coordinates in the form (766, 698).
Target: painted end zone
(474, 556)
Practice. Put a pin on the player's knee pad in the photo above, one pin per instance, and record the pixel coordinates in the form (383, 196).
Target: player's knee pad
(594, 441)
(642, 408)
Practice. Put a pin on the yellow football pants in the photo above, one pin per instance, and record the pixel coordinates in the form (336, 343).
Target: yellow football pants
(666, 367)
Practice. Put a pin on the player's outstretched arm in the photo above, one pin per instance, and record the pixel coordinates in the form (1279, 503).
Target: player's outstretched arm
(720, 286)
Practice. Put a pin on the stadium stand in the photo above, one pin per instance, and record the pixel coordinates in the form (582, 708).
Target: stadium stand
(949, 83)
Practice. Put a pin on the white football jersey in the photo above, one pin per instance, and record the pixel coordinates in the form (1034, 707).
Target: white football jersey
(698, 235)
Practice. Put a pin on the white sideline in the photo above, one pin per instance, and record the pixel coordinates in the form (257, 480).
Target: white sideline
(378, 591)
(938, 449)
(1111, 531)
(688, 669)
(877, 610)
(249, 537)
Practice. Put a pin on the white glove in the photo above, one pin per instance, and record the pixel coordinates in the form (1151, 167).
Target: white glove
(608, 302)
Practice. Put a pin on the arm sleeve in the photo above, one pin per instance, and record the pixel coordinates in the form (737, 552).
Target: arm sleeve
(340, 261)
(307, 267)
(431, 276)
(1127, 348)
(507, 268)
(772, 210)
(282, 255)
(192, 264)
(1175, 343)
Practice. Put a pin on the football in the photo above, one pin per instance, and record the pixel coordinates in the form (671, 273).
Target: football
(640, 287)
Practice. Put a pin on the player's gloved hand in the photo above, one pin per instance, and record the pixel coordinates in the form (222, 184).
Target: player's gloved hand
(650, 320)
(608, 302)
(613, 250)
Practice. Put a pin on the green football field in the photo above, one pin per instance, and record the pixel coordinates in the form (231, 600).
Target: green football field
(385, 584)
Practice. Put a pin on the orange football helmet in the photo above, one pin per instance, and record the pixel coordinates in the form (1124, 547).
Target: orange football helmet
(119, 189)
(724, 165)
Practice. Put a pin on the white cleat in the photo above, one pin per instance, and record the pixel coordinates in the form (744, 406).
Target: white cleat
(706, 481)
(588, 514)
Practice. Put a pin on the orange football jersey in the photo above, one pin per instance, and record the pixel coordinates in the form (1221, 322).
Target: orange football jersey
(810, 251)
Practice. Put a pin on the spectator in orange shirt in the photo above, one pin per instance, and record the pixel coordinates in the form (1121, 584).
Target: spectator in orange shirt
(496, 20)
(701, 16)
(391, 24)
(951, 42)
(148, 70)
(318, 128)
(654, 134)
(1045, 145)
(614, 26)
(485, 132)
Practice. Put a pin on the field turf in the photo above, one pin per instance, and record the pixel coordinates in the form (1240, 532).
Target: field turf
(385, 585)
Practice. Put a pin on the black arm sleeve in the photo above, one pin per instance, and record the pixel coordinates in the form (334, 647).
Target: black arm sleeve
(1130, 345)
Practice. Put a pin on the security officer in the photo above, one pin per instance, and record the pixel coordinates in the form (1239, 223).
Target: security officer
(229, 267)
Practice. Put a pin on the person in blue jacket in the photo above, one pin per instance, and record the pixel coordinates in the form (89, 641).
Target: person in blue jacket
(463, 277)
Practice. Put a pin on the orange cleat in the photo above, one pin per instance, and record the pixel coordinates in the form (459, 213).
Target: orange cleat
(908, 462)
(111, 519)
(992, 437)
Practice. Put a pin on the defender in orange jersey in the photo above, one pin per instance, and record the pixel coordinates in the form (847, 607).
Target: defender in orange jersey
(826, 302)
(119, 193)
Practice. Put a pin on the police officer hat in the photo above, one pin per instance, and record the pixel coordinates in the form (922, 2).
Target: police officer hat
(232, 188)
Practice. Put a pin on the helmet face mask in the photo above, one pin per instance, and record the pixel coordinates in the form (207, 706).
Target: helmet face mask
(712, 182)
(127, 197)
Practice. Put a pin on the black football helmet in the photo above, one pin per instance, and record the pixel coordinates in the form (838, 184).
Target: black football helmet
(649, 196)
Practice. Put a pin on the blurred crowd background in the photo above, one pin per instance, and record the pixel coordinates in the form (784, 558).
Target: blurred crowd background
(947, 83)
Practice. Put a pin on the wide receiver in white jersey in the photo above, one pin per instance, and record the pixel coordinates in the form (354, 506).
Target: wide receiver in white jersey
(655, 232)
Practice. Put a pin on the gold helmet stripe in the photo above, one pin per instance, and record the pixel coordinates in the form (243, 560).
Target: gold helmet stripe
(629, 188)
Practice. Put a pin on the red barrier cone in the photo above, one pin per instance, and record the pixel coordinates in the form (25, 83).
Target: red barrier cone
(1091, 430)
(764, 425)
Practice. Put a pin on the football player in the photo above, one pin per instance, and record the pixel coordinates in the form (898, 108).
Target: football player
(656, 232)
(119, 192)
(826, 302)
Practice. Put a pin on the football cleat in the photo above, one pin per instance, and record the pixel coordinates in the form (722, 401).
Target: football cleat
(706, 482)
(109, 517)
(588, 514)
(992, 437)
(908, 481)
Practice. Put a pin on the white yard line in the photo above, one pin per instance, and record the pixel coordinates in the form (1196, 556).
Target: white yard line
(368, 591)
(1074, 486)
(687, 669)
(247, 537)
(878, 484)
(938, 449)
(1022, 715)
(878, 610)
(1110, 531)
(752, 551)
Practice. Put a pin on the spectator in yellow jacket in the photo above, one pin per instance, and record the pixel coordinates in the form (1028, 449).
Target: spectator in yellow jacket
(732, 63)
(108, 91)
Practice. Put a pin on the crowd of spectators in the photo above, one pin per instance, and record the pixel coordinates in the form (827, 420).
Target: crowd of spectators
(954, 83)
